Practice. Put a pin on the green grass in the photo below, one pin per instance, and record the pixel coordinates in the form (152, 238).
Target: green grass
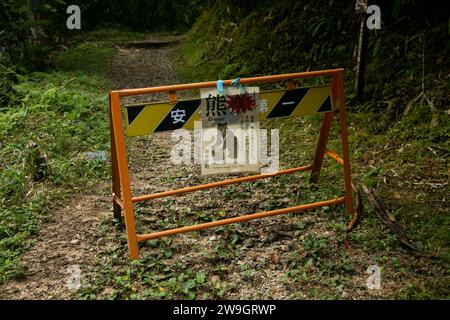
(91, 53)
(65, 113)
(64, 116)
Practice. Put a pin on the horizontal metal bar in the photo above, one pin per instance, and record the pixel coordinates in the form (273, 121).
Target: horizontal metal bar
(335, 156)
(209, 84)
(247, 217)
(219, 184)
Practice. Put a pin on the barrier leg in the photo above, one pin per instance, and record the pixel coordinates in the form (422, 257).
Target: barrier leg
(122, 162)
(345, 147)
(323, 137)
(320, 149)
(117, 210)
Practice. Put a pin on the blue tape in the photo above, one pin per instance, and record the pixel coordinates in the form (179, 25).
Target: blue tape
(220, 86)
(236, 82)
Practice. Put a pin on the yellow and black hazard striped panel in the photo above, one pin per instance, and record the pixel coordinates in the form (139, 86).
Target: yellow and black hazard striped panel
(161, 116)
(166, 116)
(296, 102)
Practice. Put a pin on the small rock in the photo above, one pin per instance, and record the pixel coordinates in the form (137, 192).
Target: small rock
(74, 241)
(346, 295)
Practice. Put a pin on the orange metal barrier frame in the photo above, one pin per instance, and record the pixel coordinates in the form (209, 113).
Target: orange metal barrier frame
(123, 199)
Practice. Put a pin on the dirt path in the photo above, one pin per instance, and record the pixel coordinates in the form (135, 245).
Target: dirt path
(67, 239)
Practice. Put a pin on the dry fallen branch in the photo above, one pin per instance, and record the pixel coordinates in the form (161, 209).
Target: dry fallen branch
(387, 218)
(357, 210)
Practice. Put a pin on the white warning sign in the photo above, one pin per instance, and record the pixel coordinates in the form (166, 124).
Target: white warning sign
(229, 130)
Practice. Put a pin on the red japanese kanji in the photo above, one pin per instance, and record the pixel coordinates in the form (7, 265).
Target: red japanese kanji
(241, 102)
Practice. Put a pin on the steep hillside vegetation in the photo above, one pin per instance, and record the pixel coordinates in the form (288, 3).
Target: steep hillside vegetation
(245, 38)
(399, 134)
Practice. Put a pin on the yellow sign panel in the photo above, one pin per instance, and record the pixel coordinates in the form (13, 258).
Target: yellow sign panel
(166, 116)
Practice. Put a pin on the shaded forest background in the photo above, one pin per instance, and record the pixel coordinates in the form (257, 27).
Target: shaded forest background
(243, 38)
(288, 36)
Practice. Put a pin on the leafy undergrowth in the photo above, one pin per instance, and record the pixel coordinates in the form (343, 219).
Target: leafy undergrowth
(62, 114)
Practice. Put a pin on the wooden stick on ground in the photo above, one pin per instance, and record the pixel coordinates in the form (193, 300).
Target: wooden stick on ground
(357, 213)
(385, 216)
